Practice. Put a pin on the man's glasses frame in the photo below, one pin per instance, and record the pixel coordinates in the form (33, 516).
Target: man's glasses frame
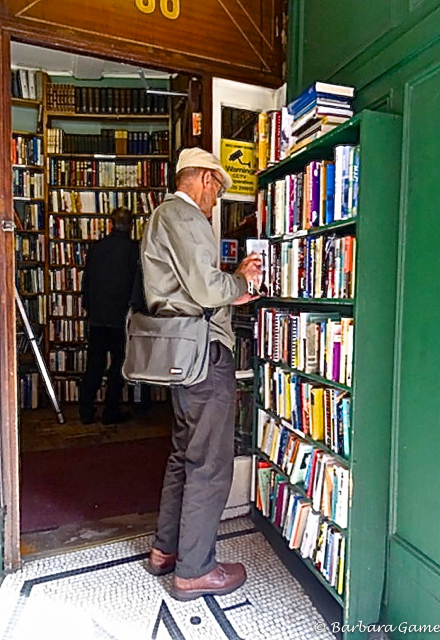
(222, 189)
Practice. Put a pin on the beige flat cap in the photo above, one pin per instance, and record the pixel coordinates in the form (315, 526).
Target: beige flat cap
(197, 157)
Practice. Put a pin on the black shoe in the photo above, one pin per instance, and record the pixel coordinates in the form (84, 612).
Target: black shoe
(88, 418)
(115, 418)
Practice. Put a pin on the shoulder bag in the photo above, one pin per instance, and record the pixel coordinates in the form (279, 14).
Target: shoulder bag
(167, 351)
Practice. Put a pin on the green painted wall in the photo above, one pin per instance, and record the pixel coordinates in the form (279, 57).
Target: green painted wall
(390, 50)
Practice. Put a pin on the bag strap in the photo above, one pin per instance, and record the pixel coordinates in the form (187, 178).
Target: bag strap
(208, 313)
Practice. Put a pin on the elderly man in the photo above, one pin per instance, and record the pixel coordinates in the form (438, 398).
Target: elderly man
(180, 265)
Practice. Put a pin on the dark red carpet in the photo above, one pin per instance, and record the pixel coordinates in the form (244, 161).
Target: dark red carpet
(80, 484)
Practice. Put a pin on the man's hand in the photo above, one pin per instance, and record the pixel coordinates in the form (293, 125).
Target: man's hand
(250, 268)
(246, 298)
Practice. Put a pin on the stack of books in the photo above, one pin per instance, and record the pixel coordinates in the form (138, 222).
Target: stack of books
(317, 110)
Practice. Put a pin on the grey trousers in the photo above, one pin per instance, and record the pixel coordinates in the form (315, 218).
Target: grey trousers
(199, 470)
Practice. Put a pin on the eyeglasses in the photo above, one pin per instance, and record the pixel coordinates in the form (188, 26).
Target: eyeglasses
(222, 189)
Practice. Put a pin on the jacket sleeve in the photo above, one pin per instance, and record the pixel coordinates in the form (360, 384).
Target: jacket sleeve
(192, 249)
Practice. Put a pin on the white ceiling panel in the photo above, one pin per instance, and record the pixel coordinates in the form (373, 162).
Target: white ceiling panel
(60, 63)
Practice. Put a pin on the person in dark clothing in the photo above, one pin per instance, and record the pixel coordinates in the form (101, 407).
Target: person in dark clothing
(107, 284)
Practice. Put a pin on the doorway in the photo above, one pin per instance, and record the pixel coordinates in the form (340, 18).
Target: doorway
(88, 135)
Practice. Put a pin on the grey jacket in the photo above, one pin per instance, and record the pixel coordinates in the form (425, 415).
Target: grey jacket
(179, 263)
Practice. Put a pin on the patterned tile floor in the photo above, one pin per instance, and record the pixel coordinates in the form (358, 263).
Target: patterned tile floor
(104, 593)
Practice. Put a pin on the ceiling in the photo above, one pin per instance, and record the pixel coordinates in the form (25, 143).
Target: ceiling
(60, 63)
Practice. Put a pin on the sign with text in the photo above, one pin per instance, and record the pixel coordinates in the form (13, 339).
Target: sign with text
(238, 159)
(229, 251)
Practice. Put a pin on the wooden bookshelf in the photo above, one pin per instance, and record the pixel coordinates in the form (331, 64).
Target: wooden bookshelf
(143, 198)
(61, 115)
(25, 102)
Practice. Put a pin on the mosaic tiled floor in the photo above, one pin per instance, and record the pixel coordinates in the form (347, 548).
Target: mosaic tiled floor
(104, 593)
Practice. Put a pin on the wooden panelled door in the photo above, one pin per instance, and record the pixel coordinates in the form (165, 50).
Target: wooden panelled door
(9, 499)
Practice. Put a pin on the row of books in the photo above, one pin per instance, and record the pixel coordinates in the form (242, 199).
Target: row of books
(67, 360)
(29, 248)
(324, 193)
(68, 253)
(104, 100)
(36, 308)
(30, 280)
(138, 228)
(29, 390)
(27, 150)
(282, 132)
(320, 266)
(88, 228)
(304, 528)
(109, 141)
(317, 110)
(65, 305)
(315, 343)
(322, 478)
(65, 279)
(72, 228)
(243, 421)
(27, 183)
(105, 173)
(104, 202)
(67, 330)
(68, 390)
(267, 138)
(27, 84)
(244, 351)
(320, 412)
(29, 216)
(238, 214)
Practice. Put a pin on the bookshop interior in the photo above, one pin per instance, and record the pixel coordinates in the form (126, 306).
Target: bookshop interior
(327, 177)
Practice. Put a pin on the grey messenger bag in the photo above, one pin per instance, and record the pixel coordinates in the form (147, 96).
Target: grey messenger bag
(167, 351)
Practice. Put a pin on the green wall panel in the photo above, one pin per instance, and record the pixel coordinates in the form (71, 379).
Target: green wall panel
(357, 43)
(417, 442)
(334, 32)
(416, 600)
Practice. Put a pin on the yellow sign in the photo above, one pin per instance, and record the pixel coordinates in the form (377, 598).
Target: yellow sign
(169, 8)
(238, 159)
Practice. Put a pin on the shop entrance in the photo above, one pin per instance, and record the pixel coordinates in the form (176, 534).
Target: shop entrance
(88, 136)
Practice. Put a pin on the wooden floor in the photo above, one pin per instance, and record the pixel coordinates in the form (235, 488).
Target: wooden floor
(40, 431)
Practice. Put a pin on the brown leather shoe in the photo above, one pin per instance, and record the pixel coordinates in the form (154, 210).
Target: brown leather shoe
(225, 578)
(160, 563)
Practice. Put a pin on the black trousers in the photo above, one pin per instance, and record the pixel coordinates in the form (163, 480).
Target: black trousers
(200, 467)
(103, 340)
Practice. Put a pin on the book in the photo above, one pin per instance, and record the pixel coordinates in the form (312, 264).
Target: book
(23, 79)
(32, 84)
(302, 510)
(286, 133)
(316, 89)
(334, 106)
(299, 468)
(263, 146)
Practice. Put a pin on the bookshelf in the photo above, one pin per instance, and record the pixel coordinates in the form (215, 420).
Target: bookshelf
(28, 196)
(97, 148)
(323, 369)
(123, 161)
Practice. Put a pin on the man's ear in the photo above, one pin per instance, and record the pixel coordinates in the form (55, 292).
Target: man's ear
(206, 178)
